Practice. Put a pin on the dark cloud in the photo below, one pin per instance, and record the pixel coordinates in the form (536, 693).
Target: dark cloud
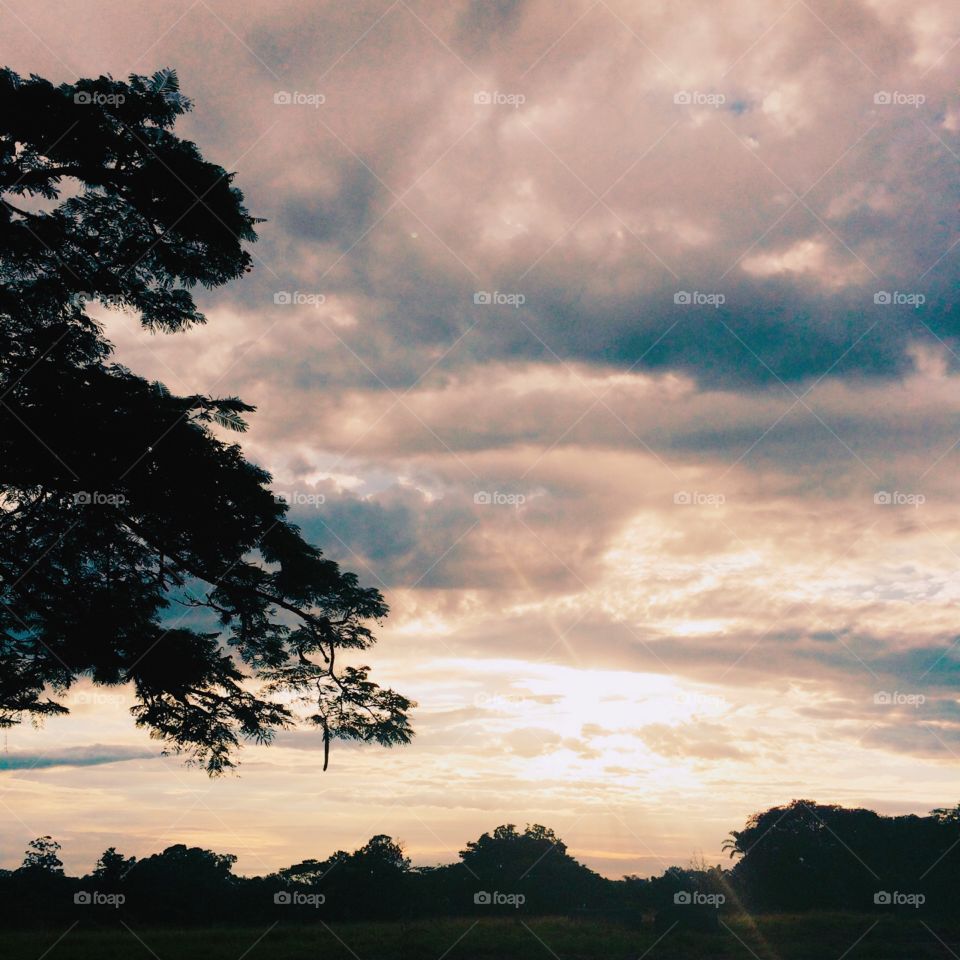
(87, 756)
(485, 24)
(507, 198)
(326, 212)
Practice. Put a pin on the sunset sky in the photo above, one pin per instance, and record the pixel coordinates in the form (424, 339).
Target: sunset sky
(668, 527)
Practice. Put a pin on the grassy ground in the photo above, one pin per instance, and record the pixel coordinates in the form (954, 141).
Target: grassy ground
(810, 937)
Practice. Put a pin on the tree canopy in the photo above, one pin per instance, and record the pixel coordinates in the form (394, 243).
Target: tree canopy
(122, 511)
(802, 856)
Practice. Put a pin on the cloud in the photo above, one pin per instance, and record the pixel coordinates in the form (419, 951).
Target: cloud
(531, 741)
(705, 741)
(402, 197)
(86, 756)
(704, 235)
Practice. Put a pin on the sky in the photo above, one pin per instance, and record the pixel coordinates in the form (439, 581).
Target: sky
(617, 344)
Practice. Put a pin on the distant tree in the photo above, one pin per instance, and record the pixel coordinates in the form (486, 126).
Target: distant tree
(311, 871)
(510, 852)
(186, 865)
(113, 866)
(734, 844)
(381, 854)
(805, 855)
(533, 862)
(43, 854)
(184, 883)
(946, 815)
(118, 503)
(370, 882)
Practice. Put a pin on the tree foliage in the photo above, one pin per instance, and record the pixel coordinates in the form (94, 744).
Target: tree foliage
(805, 855)
(123, 513)
(43, 854)
(802, 856)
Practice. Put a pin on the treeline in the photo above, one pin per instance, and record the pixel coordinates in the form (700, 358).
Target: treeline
(803, 856)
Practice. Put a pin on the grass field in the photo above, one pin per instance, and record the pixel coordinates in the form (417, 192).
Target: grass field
(810, 937)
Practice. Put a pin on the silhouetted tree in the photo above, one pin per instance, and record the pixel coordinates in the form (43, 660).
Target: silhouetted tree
(370, 882)
(43, 854)
(381, 855)
(946, 816)
(511, 854)
(806, 855)
(183, 883)
(311, 872)
(534, 863)
(112, 867)
(38, 886)
(117, 500)
(790, 865)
